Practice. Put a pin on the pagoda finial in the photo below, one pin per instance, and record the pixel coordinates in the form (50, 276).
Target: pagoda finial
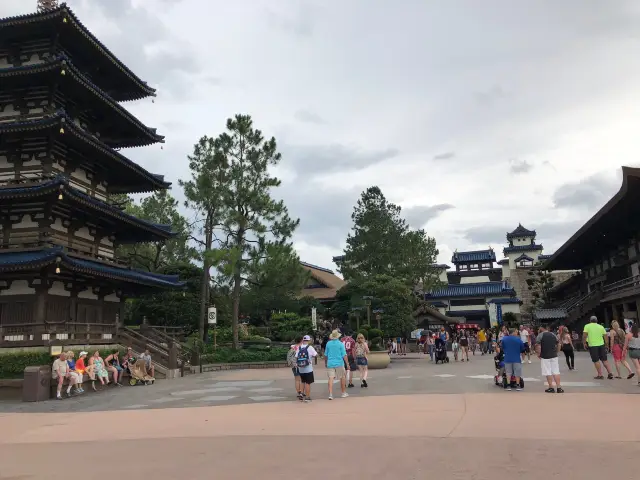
(46, 5)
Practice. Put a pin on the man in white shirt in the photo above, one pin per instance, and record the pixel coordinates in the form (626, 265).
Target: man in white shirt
(524, 336)
(59, 372)
(304, 359)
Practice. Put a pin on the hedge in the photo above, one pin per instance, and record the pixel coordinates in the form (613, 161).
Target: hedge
(12, 365)
(228, 355)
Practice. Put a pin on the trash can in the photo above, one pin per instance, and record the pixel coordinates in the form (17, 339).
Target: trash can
(37, 384)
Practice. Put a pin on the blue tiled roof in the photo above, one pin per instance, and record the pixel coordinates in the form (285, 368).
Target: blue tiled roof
(438, 304)
(164, 231)
(465, 313)
(522, 248)
(522, 257)
(504, 261)
(482, 289)
(474, 256)
(503, 301)
(520, 231)
(47, 256)
(61, 119)
(60, 62)
(63, 11)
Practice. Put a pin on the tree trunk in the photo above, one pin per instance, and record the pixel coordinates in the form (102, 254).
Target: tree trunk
(204, 292)
(237, 284)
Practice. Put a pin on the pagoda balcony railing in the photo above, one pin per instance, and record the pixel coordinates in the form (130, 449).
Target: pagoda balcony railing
(66, 333)
(629, 285)
(35, 238)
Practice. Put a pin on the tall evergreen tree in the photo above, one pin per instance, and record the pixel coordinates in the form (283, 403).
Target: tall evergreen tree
(252, 225)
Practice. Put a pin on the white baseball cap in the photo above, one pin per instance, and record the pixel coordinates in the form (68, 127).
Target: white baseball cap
(306, 338)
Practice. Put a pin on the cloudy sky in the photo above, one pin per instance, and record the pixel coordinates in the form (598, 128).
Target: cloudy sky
(473, 116)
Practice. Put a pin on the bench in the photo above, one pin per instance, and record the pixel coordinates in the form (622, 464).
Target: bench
(86, 382)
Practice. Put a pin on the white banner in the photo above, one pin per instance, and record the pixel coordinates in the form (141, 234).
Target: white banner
(493, 314)
(314, 319)
(212, 315)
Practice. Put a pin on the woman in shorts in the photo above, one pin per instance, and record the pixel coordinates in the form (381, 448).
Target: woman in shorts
(455, 346)
(617, 341)
(464, 345)
(632, 345)
(361, 352)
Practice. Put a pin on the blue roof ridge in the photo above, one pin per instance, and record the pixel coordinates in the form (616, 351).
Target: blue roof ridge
(61, 10)
(61, 116)
(61, 179)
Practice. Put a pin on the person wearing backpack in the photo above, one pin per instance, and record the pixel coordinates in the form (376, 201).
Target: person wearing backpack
(292, 361)
(304, 357)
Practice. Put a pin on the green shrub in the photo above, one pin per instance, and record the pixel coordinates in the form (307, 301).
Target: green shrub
(376, 345)
(228, 355)
(286, 326)
(12, 365)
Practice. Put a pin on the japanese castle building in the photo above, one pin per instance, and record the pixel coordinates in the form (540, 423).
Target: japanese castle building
(62, 130)
(478, 290)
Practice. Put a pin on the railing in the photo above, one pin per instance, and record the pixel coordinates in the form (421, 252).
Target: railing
(67, 333)
(166, 356)
(622, 285)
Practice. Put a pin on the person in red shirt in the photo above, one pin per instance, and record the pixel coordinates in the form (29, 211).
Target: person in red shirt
(350, 347)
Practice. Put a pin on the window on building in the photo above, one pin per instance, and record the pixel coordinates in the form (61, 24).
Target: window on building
(486, 265)
(525, 263)
(473, 266)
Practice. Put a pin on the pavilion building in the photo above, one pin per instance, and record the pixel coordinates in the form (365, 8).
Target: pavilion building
(62, 129)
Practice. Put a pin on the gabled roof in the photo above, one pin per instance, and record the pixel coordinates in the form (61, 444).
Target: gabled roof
(520, 231)
(550, 314)
(504, 261)
(474, 256)
(113, 75)
(74, 81)
(68, 131)
(523, 257)
(36, 259)
(325, 277)
(482, 289)
(60, 184)
(522, 248)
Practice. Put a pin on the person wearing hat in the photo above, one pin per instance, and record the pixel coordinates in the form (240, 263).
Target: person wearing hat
(304, 360)
(335, 359)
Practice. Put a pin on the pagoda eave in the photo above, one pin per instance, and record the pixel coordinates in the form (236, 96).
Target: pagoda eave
(112, 75)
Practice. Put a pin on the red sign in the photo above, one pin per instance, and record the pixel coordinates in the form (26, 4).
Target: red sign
(467, 326)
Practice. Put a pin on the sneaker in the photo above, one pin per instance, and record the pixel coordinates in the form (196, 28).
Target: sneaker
(300, 396)
(69, 394)
(610, 376)
(560, 390)
(330, 397)
(630, 376)
(351, 385)
(529, 361)
(58, 397)
(307, 400)
(364, 384)
(344, 395)
(518, 389)
(508, 389)
(550, 390)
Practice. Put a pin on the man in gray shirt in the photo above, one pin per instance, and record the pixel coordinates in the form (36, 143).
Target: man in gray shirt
(547, 347)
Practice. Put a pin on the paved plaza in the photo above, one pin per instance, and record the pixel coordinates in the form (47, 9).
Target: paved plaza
(415, 420)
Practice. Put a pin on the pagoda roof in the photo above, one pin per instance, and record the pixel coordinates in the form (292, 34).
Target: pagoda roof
(125, 128)
(12, 261)
(106, 69)
(520, 231)
(533, 247)
(522, 257)
(480, 289)
(474, 256)
(123, 175)
(101, 211)
(504, 261)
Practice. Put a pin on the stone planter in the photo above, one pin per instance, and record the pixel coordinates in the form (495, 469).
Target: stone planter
(378, 360)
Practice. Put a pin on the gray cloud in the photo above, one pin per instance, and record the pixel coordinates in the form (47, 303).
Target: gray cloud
(589, 193)
(310, 159)
(444, 156)
(307, 116)
(297, 21)
(519, 166)
(490, 96)
(419, 216)
(548, 233)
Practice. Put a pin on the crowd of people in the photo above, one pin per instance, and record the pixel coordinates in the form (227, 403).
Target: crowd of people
(66, 367)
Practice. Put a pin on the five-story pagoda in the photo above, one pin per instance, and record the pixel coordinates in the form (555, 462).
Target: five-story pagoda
(61, 130)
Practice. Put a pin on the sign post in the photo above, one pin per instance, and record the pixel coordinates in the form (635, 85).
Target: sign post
(212, 319)
(314, 319)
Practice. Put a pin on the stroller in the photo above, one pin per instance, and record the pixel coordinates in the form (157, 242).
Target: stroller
(500, 378)
(441, 351)
(139, 375)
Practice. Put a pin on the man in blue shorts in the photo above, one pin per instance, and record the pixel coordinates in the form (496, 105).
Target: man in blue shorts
(513, 347)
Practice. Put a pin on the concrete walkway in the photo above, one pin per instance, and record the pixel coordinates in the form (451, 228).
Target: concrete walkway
(492, 435)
